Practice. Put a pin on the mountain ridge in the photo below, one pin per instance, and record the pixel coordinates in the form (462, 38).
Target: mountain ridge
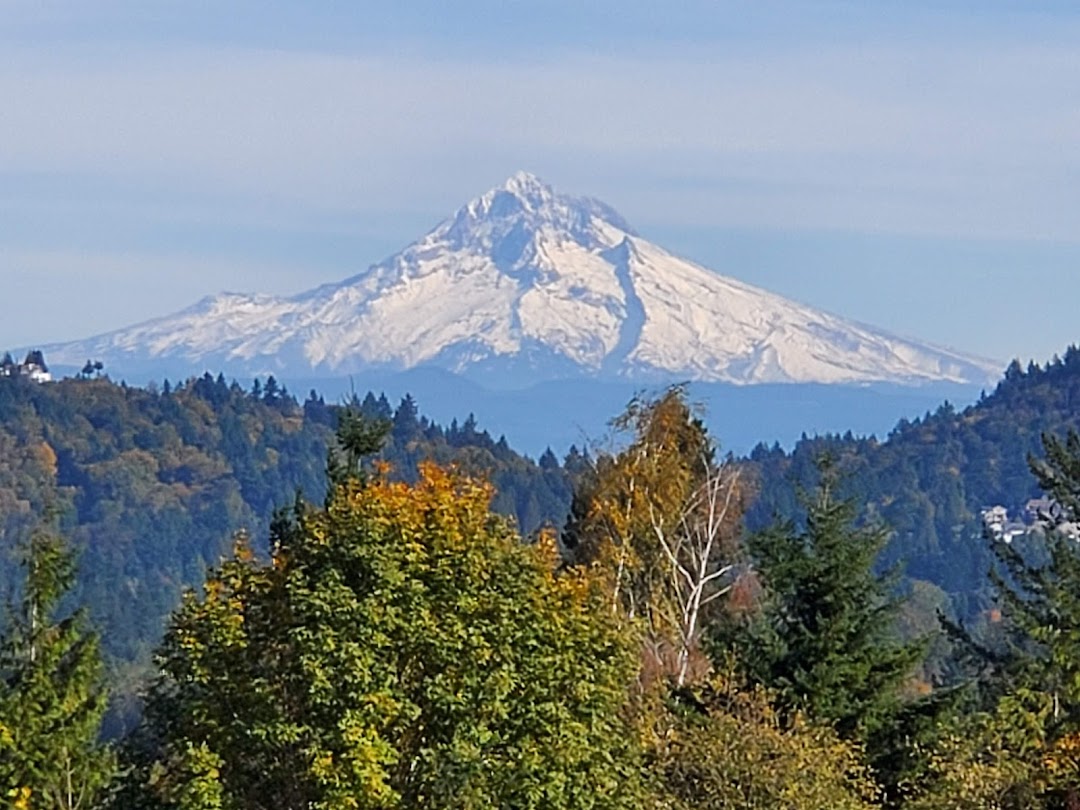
(525, 282)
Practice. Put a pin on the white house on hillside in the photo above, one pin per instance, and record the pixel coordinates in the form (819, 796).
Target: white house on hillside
(33, 367)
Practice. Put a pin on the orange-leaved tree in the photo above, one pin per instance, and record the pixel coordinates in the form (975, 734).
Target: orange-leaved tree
(661, 519)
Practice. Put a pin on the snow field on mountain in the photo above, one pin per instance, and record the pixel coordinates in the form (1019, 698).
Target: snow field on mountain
(523, 274)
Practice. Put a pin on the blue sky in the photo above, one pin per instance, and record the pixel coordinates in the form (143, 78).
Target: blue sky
(912, 165)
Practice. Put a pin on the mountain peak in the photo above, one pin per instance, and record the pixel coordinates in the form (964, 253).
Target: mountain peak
(507, 219)
(524, 193)
(525, 199)
(526, 184)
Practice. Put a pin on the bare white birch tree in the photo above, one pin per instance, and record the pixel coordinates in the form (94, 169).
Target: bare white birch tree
(697, 549)
(661, 517)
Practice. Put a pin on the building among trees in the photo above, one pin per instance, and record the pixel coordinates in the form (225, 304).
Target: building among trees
(33, 367)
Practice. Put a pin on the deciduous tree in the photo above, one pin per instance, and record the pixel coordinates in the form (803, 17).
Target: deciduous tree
(403, 649)
(730, 748)
(661, 518)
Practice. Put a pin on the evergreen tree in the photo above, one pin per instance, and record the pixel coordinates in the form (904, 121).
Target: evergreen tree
(548, 461)
(824, 639)
(316, 410)
(358, 436)
(369, 407)
(1058, 474)
(272, 392)
(406, 422)
(1035, 722)
(52, 698)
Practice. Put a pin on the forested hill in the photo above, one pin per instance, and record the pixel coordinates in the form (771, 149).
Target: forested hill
(929, 479)
(152, 484)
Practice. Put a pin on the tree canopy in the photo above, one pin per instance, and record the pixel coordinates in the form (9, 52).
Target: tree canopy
(403, 648)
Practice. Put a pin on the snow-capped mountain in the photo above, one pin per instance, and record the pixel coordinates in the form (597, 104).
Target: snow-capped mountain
(524, 283)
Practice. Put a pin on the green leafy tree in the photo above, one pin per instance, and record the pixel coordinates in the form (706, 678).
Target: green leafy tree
(157, 482)
(1008, 758)
(728, 747)
(402, 649)
(52, 697)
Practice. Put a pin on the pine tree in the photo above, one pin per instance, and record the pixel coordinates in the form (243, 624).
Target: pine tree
(1036, 580)
(406, 420)
(824, 639)
(1036, 679)
(52, 698)
(358, 437)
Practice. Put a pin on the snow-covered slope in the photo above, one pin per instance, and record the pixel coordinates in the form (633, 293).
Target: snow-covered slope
(524, 284)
